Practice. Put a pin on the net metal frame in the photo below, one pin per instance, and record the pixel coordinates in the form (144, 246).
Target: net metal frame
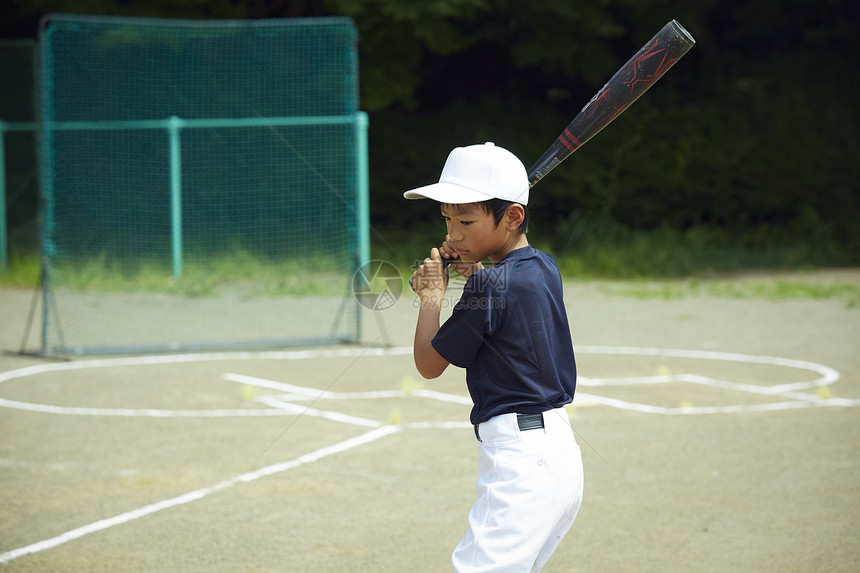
(175, 148)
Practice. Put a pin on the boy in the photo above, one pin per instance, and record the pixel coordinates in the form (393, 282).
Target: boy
(510, 332)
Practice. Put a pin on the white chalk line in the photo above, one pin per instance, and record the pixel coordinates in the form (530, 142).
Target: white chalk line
(714, 383)
(691, 410)
(132, 412)
(305, 393)
(203, 357)
(281, 405)
(828, 374)
(297, 410)
(299, 393)
(176, 359)
(128, 516)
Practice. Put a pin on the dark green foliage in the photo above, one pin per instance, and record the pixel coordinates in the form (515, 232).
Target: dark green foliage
(743, 155)
(748, 146)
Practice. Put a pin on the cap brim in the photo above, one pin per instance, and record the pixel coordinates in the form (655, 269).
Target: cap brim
(447, 193)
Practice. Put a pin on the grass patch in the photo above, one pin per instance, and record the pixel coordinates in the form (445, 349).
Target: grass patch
(767, 289)
(606, 249)
(660, 264)
(597, 248)
(237, 273)
(23, 271)
(665, 263)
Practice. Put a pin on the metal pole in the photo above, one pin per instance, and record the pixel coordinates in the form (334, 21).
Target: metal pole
(174, 126)
(363, 189)
(363, 223)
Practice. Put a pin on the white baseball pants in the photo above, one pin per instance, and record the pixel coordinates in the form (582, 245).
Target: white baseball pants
(529, 492)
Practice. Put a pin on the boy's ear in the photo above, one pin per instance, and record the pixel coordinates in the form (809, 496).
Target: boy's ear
(514, 217)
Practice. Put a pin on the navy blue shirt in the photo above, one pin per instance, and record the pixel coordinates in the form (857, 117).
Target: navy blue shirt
(510, 332)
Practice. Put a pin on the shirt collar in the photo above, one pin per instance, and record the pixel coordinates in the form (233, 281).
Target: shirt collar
(517, 254)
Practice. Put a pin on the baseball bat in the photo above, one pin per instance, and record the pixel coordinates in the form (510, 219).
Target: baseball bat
(633, 79)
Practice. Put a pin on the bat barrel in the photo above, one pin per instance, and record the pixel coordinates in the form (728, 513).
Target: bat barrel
(682, 35)
(642, 70)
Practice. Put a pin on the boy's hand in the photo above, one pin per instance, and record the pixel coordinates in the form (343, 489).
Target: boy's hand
(465, 269)
(430, 280)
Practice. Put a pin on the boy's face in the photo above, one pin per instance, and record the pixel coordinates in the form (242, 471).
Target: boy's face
(473, 232)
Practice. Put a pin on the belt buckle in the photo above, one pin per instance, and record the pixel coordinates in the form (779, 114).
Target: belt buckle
(524, 422)
(530, 421)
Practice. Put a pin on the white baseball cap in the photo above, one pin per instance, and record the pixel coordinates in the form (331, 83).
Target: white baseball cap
(478, 173)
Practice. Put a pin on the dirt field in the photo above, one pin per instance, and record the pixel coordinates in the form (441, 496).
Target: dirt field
(718, 434)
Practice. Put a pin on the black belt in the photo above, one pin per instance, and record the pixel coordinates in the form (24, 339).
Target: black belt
(524, 421)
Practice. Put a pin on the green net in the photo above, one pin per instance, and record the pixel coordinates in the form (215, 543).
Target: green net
(204, 183)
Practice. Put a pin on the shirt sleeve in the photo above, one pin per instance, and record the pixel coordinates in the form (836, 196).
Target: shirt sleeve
(460, 337)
